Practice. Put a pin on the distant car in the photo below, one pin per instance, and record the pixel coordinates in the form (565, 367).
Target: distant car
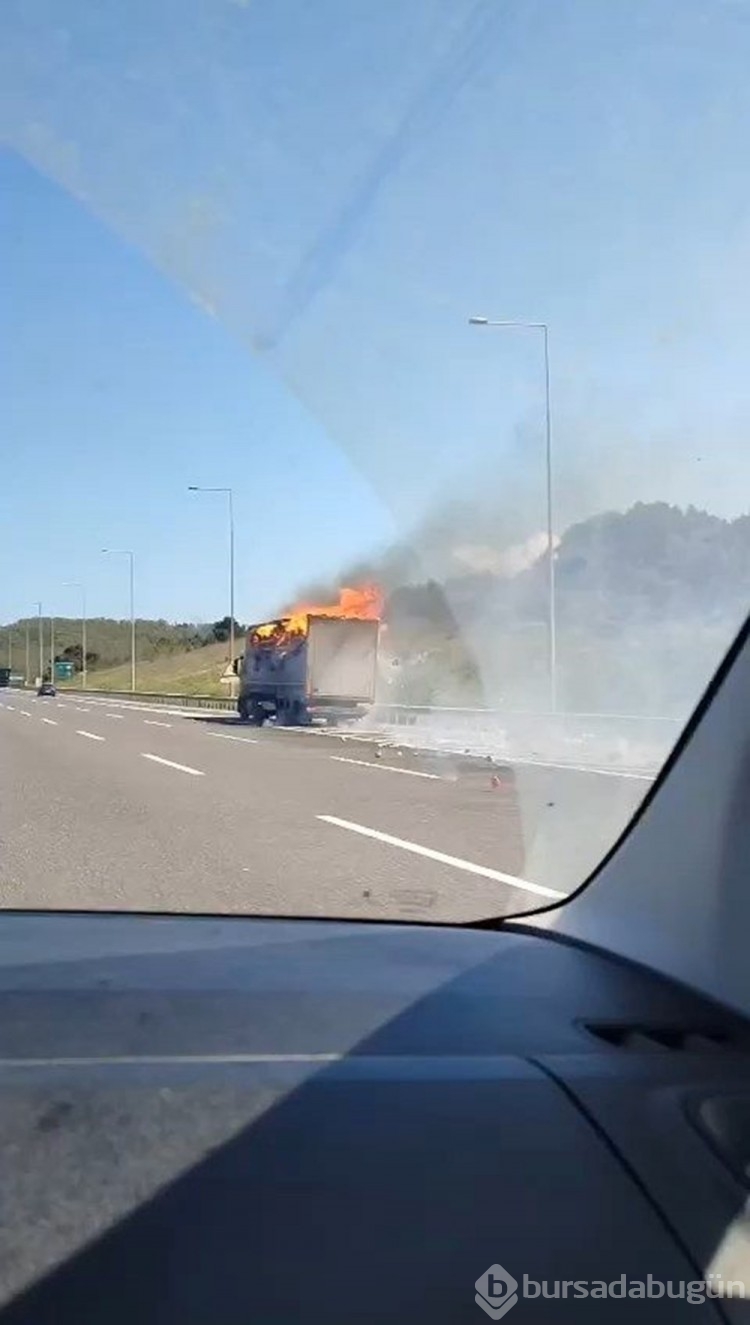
(47, 688)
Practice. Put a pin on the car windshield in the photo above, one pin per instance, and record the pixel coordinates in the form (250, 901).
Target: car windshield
(375, 457)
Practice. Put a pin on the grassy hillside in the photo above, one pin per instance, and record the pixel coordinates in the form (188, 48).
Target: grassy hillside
(195, 672)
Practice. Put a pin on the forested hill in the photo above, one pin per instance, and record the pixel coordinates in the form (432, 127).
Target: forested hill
(650, 562)
(647, 602)
(107, 640)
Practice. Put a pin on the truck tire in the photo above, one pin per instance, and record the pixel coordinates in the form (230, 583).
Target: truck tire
(298, 714)
(257, 715)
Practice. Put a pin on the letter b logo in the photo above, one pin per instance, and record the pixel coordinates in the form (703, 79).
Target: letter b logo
(496, 1291)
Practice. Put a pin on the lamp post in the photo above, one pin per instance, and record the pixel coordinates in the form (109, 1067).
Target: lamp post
(552, 593)
(41, 641)
(125, 552)
(230, 511)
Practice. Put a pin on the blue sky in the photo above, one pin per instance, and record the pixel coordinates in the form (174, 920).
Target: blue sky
(119, 392)
(240, 243)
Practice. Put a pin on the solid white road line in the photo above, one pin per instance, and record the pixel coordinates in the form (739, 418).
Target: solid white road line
(127, 1059)
(182, 768)
(456, 861)
(149, 722)
(50, 722)
(387, 768)
(91, 736)
(225, 736)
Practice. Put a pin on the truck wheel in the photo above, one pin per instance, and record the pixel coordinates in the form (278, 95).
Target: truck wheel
(257, 715)
(298, 716)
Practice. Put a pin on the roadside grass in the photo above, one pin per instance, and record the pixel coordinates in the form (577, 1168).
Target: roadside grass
(196, 672)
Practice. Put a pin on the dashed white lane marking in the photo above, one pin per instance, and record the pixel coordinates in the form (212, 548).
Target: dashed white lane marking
(117, 716)
(80, 709)
(151, 722)
(51, 722)
(91, 736)
(225, 736)
(12, 707)
(456, 861)
(387, 768)
(24, 713)
(182, 768)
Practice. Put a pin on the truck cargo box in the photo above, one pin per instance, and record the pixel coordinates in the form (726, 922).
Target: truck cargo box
(342, 659)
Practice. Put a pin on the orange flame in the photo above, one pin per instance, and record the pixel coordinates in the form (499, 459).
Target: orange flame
(364, 604)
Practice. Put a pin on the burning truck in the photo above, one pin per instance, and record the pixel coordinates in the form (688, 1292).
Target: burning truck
(317, 662)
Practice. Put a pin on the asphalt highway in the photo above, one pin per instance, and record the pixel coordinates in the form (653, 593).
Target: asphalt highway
(107, 805)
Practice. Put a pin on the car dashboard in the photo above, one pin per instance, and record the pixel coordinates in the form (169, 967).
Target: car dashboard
(261, 1120)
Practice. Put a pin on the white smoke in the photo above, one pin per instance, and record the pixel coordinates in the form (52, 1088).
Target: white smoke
(507, 563)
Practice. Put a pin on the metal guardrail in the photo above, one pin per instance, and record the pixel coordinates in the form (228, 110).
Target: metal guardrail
(612, 740)
(605, 740)
(391, 712)
(154, 697)
(618, 742)
(416, 709)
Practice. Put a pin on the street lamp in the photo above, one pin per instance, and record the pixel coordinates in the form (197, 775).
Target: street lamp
(76, 584)
(552, 628)
(124, 552)
(192, 487)
(38, 607)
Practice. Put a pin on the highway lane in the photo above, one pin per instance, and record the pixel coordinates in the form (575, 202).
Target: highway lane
(105, 806)
(569, 817)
